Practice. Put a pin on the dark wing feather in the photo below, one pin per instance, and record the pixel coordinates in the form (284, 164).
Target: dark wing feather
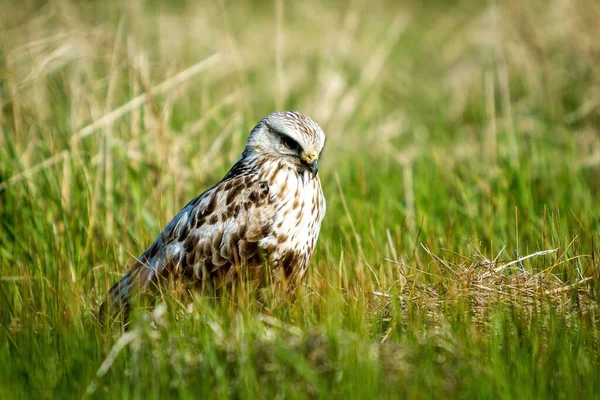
(219, 229)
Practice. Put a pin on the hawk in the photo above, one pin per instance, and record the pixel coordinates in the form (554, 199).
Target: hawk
(266, 212)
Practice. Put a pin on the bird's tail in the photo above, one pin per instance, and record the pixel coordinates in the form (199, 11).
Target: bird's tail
(117, 304)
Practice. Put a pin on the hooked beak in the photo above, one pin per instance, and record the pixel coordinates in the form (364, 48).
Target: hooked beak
(312, 167)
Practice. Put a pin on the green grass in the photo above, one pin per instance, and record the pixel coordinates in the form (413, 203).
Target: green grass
(461, 137)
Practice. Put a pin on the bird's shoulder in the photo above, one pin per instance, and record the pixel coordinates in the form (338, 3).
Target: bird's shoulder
(235, 199)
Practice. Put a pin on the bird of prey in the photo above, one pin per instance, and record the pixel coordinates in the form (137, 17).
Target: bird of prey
(265, 213)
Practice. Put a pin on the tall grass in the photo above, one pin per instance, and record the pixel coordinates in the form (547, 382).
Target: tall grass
(458, 255)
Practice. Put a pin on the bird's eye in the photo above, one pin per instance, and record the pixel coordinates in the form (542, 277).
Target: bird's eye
(289, 143)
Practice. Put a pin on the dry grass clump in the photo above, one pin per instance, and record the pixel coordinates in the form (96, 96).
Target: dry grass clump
(485, 285)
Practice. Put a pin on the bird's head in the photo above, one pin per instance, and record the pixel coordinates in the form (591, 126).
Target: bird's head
(290, 136)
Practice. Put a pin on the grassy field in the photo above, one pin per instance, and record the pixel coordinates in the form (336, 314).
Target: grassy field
(459, 254)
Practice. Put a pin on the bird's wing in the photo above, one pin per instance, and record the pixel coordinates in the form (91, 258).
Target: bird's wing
(218, 229)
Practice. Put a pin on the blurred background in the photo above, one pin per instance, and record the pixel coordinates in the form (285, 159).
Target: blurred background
(449, 123)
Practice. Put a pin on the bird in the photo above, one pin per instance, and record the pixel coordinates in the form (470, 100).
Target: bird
(265, 215)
